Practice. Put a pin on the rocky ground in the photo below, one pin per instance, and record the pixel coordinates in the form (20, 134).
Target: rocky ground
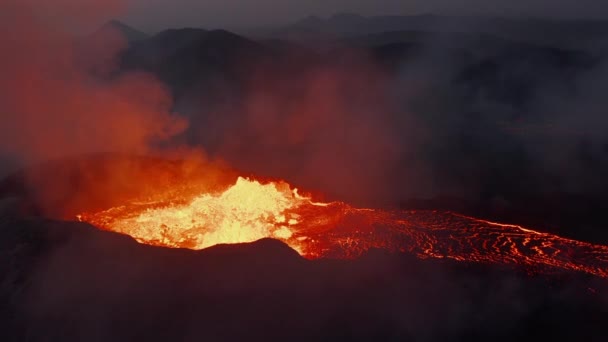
(64, 281)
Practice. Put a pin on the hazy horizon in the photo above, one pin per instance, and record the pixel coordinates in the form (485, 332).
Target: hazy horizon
(155, 15)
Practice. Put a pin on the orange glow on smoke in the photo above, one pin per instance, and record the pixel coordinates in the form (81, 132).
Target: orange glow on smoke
(250, 210)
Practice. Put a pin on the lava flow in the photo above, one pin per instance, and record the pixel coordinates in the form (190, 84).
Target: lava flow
(249, 210)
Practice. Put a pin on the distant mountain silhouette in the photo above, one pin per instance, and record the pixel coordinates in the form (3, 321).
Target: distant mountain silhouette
(544, 31)
(184, 58)
(188, 59)
(482, 82)
(152, 51)
(129, 32)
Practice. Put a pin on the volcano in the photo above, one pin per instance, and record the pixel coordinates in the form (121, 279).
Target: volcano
(249, 211)
(165, 248)
(196, 205)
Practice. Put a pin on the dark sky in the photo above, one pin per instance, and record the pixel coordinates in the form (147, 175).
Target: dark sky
(159, 14)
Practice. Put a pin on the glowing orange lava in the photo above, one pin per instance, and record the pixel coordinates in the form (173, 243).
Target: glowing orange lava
(249, 210)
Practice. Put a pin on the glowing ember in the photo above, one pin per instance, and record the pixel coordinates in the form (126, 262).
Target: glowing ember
(249, 210)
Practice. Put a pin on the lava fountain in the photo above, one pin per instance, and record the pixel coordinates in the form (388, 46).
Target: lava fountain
(250, 210)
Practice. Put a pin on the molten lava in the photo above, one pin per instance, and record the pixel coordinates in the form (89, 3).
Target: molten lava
(246, 212)
(249, 210)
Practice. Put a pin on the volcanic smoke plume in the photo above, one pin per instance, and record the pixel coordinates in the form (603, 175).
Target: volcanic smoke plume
(59, 95)
(327, 126)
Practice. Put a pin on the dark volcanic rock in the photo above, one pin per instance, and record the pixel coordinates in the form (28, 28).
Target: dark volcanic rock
(70, 282)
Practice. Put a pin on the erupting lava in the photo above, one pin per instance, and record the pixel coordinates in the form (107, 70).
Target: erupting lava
(245, 212)
(249, 210)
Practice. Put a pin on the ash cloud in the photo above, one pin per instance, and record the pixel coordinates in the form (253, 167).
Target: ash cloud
(60, 95)
(528, 120)
(373, 119)
(449, 114)
(330, 130)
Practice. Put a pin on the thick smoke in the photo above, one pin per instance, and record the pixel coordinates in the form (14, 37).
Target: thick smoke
(568, 135)
(59, 95)
(504, 118)
(462, 115)
(330, 130)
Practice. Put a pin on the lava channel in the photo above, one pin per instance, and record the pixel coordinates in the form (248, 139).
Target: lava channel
(250, 210)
